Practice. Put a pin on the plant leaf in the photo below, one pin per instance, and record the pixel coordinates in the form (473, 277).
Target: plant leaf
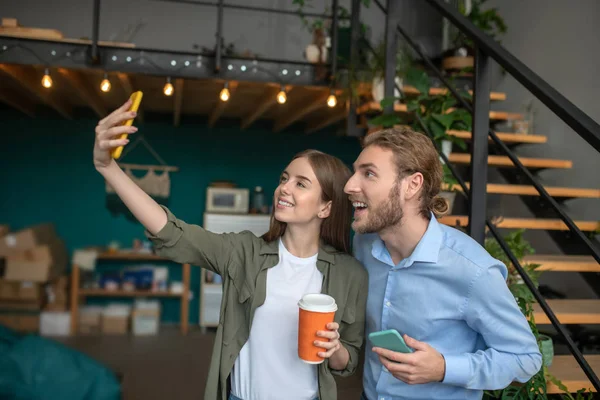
(385, 120)
(445, 120)
(419, 79)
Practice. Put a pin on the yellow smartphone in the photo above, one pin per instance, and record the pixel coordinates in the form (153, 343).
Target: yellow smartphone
(136, 99)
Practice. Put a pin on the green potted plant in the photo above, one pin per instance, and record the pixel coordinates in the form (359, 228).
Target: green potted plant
(536, 387)
(317, 51)
(439, 113)
(460, 56)
(377, 69)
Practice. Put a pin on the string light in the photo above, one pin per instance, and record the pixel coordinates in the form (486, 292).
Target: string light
(281, 96)
(46, 79)
(105, 85)
(331, 100)
(168, 89)
(224, 95)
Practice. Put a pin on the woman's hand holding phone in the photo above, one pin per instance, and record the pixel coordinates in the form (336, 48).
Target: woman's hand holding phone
(108, 132)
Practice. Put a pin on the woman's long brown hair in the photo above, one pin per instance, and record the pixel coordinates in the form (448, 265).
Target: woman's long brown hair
(332, 175)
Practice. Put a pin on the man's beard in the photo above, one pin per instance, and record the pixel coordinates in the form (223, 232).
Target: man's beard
(387, 214)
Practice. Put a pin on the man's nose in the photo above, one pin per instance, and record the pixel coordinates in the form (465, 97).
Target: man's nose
(350, 186)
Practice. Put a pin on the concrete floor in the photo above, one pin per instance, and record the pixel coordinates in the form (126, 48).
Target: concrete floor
(168, 365)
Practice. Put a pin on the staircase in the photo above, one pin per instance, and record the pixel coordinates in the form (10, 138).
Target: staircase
(568, 311)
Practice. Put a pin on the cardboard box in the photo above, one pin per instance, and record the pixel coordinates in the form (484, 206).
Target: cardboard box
(90, 320)
(28, 238)
(115, 325)
(38, 264)
(28, 323)
(115, 319)
(21, 291)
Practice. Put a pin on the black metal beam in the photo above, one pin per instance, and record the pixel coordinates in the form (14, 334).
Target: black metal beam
(250, 8)
(479, 147)
(391, 44)
(95, 32)
(351, 125)
(579, 121)
(219, 36)
(334, 38)
(155, 62)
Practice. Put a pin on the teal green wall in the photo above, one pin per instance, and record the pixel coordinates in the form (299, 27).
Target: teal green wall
(46, 174)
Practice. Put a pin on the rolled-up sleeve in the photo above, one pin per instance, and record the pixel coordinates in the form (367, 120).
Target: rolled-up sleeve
(192, 244)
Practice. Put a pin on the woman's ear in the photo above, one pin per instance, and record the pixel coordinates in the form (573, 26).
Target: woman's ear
(325, 211)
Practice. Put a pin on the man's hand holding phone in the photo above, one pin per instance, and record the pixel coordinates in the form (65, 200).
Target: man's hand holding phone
(419, 363)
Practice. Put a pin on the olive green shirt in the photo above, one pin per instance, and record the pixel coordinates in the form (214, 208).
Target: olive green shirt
(242, 259)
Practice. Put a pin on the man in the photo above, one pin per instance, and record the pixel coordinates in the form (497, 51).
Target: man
(435, 285)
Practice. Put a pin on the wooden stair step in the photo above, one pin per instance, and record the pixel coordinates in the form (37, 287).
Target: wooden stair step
(374, 106)
(504, 161)
(365, 89)
(568, 371)
(523, 223)
(570, 311)
(527, 190)
(411, 90)
(506, 137)
(563, 263)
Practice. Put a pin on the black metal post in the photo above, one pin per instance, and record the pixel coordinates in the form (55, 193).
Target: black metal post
(95, 32)
(351, 125)
(391, 44)
(219, 35)
(479, 147)
(334, 38)
(249, 8)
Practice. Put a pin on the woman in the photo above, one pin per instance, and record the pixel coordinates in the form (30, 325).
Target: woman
(304, 251)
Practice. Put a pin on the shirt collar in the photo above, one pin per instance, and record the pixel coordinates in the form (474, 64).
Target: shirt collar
(326, 252)
(427, 250)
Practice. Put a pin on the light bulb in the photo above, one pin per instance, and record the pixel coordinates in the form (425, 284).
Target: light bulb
(168, 89)
(281, 97)
(224, 95)
(46, 79)
(331, 100)
(105, 85)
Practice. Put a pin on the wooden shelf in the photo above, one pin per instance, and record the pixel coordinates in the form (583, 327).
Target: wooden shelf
(504, 161)
(125, 293)
(564, 263)
(523, 223)
(77, 292)
(570, 311)
(527, 190)
(374, 106)
(506, 137)
(126, 256)
(567, 370)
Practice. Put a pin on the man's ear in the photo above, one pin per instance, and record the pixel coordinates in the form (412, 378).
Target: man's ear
(413, 185)
(326, 210)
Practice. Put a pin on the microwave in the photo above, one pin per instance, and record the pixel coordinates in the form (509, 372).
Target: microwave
(227, 200)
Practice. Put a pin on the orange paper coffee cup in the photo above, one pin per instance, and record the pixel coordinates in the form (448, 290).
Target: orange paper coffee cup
(316, 311)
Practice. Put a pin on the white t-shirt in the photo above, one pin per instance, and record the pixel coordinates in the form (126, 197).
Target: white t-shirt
(268, 366)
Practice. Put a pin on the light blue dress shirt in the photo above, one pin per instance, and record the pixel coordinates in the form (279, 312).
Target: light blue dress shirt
(451, 294)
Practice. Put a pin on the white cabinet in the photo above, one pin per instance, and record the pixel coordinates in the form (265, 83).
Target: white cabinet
(211, 293)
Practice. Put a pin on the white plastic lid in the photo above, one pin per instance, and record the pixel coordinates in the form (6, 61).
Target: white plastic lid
(317, 302)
